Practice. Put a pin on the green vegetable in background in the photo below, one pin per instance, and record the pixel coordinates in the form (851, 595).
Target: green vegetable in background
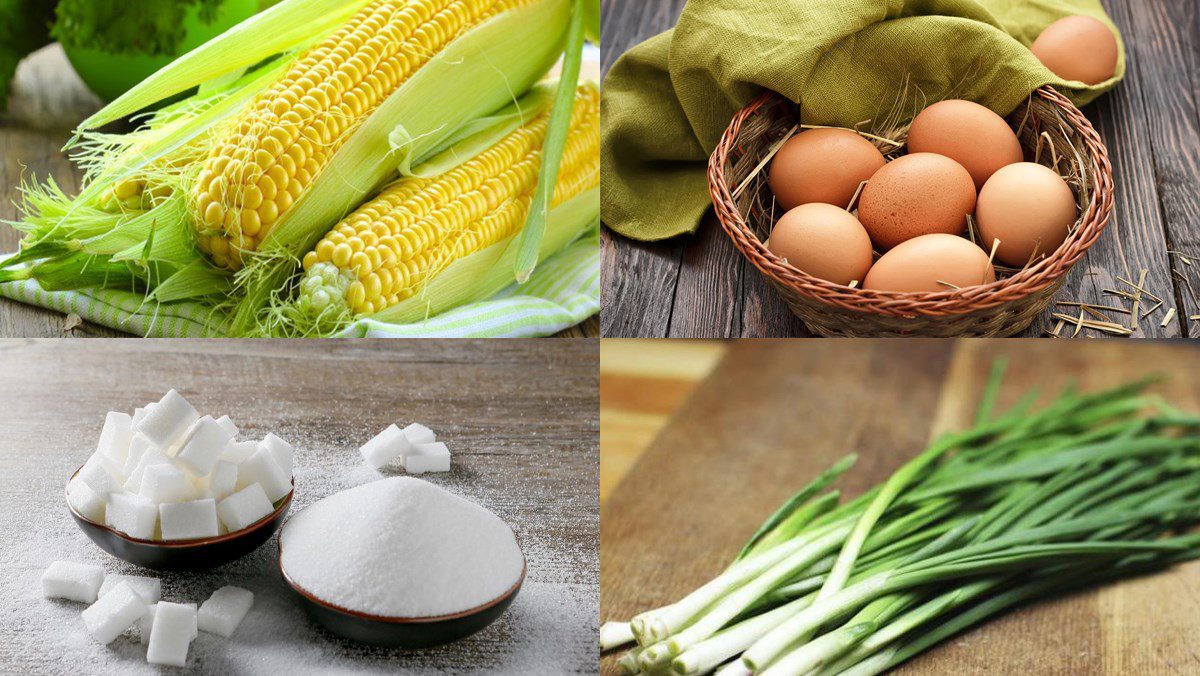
(24, 27)
(150, 27)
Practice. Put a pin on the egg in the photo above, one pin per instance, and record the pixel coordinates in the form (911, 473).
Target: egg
(824, 241)
(923, 263)
(1029, 208)
(915, 195)
(1078, 48)
(822, 165)
(968, 133)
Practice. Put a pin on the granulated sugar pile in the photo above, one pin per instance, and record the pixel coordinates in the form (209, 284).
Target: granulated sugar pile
(400, 547)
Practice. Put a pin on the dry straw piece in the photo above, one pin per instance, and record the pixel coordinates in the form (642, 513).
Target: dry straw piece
(1049, 127)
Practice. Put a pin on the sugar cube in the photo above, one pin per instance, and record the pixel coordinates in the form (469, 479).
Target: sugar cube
(139, 413)
(148, 588)
(385, 447)
(165, 483)
(223, 611)
(227, 425)
(244, 507)
(132, 514)
(171, 633)
(204, 445)
(113, 613)
(115, 438)
(138, 446)
(168, 420)
(433, 457)
(239, 451)
(260, 468)
(98, 477)
(72, 581)
(280, 450)
(185, 520)
(223, 479)
(85, 501)
(417, 433)
(151, 457)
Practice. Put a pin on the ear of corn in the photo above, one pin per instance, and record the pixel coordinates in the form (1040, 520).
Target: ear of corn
(394, 245)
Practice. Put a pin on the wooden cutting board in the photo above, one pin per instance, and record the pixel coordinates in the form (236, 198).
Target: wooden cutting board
(775, 413)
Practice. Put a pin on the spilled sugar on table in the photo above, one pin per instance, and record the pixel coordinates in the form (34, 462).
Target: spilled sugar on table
(775, 413)
(519, 416)
(699, 286)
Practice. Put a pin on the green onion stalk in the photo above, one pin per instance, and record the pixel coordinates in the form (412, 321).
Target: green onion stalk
(1024, 504)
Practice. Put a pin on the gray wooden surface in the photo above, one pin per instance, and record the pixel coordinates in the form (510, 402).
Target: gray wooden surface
(47, 102)
(520, 416)
(700, 286)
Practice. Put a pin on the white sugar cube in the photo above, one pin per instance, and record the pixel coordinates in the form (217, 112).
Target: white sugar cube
(244, 507)
(171, 633)
(280, 450)
(115, 438)
(148, 588)
(85, 501)
(260, 468)
(139, 413)
(239, 451)
(385, 447)
(185, 520)
(223, 611)
(139, 445)
(168, 420)
(72, 581)
(204, 445)
(223, 479)
(113, 613)
(146, 622)
(433, 457)
(98, 477)
(165, 483)
(131, 514)
(227, 425)
(417, 433)
(151, 457)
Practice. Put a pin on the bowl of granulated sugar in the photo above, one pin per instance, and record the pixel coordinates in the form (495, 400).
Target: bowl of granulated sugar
(400, 562)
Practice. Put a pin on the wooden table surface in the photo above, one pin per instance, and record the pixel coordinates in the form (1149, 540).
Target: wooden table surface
(47, 102)
(775, 413)
(700, 286)
(519, 416)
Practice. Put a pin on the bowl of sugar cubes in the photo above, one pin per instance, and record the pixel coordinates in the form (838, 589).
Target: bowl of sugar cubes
(169, 489)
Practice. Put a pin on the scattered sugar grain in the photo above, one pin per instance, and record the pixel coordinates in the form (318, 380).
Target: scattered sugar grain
(223, 611)
(148, 588)
(72, 581)
(113, 613)
(400, 547)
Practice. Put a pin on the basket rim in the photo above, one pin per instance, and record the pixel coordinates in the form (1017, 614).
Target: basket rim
(1021, 285)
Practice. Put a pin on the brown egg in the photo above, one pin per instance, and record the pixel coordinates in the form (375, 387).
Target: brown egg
(822, 165)
(824, 241)
(1078, 48)
(915, 195)
(1029, 208)
(967, 133)
(923, 263)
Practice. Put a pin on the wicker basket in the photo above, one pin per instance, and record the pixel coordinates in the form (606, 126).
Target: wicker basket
(1048, 125)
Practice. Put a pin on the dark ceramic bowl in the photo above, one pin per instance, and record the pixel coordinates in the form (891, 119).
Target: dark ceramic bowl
(195, 554)
(403, 632)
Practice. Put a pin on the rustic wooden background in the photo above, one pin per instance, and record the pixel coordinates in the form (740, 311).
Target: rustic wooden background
(700, 286)
(48, 100)
(774, 413)
(519, 416)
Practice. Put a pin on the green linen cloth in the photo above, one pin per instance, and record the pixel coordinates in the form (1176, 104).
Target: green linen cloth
(668, 100)
(563, 291)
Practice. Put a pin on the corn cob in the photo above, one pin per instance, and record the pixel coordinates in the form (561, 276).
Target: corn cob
(386, 250)
(277, 147)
